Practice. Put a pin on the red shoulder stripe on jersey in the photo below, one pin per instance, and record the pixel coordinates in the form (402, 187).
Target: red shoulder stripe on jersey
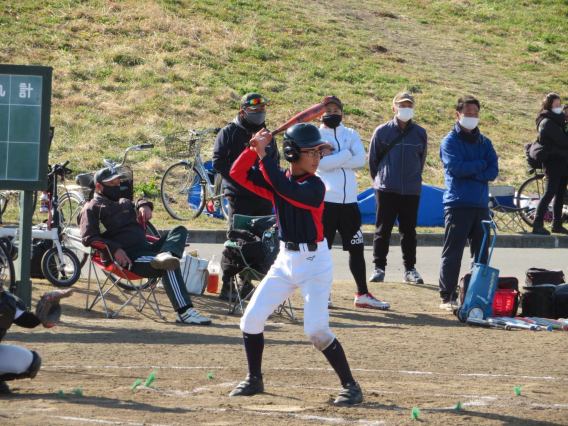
(239, 172)
(301, 179)
(317, 214)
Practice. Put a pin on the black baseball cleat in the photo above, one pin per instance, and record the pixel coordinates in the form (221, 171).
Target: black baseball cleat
(350, 394)
(4, 388)
(250, 386)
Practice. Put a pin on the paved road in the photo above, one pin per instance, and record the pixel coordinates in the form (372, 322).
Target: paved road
(510, 261)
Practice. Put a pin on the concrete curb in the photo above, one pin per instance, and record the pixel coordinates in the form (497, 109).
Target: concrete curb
(219, 236)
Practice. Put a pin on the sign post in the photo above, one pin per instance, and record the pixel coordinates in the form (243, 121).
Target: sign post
(25, 107)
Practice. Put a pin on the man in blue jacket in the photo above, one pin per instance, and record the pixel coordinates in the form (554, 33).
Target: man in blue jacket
(397, 155)
(470, 162)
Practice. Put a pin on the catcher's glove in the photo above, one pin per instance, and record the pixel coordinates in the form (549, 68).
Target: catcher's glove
(48, 309)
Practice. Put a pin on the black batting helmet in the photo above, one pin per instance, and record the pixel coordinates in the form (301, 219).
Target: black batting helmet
(303, 135)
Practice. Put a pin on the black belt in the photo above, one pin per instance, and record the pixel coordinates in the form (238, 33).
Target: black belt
(296, 246)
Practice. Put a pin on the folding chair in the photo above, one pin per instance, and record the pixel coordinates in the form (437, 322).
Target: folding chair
(504, 212)
(121, 279)
(243, 222)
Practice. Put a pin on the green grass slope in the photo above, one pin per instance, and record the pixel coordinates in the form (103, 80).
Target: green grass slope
(130, 71)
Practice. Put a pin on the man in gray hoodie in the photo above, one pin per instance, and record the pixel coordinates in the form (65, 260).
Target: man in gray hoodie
(397, 155)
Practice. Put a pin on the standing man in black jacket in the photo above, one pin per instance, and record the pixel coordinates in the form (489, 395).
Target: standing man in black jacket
(230, 143)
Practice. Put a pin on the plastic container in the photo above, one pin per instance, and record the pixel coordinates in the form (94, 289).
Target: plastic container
(214, 269)
(44, 203)
(504, 302)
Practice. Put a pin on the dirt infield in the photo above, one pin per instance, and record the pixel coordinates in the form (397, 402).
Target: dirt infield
(412, 356)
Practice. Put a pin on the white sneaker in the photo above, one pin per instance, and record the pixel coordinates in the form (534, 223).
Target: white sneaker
(329, 303)
(452, 305)
(191, 316)
(369, 301)
(413, 277)
(165, 261)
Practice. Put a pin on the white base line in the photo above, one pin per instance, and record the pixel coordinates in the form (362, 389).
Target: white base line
(104, 422)
(172, 367)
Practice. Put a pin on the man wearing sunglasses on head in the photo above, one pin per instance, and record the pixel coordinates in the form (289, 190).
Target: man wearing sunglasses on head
(230, 143)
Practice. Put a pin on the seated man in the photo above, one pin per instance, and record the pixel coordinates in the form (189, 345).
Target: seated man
(113, 221)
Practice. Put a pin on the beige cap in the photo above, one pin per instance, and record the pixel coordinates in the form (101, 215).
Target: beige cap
(402, 97)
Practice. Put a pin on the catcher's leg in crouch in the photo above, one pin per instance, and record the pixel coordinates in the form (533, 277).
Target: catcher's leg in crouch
(17, 363)
(312, 272)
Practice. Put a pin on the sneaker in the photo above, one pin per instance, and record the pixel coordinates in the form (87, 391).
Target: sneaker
(449, 305)
(191, 316)
(413, 277)
(250, 386)
(350, 394)
(378, 276)
(329, 303)
(4, 388)
(165, 261)
(369, 301)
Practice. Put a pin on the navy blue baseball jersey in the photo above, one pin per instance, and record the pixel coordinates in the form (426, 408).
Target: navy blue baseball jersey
(298, 200)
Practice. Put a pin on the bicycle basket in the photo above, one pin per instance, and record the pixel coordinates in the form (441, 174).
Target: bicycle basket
(127, 183)
(182, 145)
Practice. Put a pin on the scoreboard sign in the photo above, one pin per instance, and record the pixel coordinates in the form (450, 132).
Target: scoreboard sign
(25, 104)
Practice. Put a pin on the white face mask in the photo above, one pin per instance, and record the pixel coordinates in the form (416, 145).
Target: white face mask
(557, 110)
(469, 123)
(405, 114)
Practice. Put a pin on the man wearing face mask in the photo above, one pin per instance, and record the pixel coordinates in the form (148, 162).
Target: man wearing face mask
(230, 143)
(115, 221)
(397, 155)
(341, 212)
(470, 162)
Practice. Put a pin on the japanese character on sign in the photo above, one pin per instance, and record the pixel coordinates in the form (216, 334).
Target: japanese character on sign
(24, 89)
(2, 91)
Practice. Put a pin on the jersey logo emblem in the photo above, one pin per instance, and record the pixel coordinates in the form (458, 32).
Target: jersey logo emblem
(311, 257)
(357, 238)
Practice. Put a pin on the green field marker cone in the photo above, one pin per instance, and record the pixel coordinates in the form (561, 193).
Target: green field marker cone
(136, 384)
(458, 406)
(61, 394)
(518, 390)
(210, 376)
(78, 392)
(415, 415)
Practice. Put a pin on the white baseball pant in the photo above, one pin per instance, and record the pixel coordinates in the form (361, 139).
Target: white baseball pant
(312, 273)
(14, 359)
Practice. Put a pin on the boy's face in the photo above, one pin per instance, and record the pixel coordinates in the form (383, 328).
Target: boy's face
(333, 109)
(308, 162)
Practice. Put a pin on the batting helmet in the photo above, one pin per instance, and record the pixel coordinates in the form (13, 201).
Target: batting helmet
(303, 135)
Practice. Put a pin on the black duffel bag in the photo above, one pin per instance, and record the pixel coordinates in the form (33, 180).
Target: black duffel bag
(538, 301)
(537, 276)
(561, 301)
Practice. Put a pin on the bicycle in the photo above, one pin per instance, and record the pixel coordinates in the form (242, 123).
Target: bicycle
(190, 184)
(59, 264)
(529, 195)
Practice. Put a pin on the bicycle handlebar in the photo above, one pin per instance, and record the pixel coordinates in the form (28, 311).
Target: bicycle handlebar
(209, 129)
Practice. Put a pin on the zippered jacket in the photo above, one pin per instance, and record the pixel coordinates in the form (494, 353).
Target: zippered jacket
(400, 171)
(337, 171)
(468, 167)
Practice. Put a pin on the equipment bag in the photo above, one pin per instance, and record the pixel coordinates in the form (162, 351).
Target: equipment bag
(532, 163)
(538, 301)
(538, 152)
(39, 247)
(195, 273)
(537, 276)
(561, 301)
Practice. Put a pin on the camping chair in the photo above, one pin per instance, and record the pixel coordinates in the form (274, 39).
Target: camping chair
(121, 279)
(504, 213)
(243, 222)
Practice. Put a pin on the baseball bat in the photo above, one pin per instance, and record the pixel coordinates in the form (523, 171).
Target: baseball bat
(546, 327)
(305, 116)
(483, 323)
(554, 324)
(514, 321)
(513, 324)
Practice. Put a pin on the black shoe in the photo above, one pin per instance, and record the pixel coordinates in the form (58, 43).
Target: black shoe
(557, 228)
(250, 386)
(4, 388)
(350, 394)
(539, 229)
(246, 289)
(224, 294)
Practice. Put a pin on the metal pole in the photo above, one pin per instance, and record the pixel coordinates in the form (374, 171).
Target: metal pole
(24, 284)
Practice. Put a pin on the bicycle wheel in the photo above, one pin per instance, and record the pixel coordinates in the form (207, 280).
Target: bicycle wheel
(7, 271)
(70, 204)
(183, 191)
(61, 272)
(529, 195)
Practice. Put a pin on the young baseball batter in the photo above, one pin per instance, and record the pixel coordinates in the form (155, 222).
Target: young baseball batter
(304, 260)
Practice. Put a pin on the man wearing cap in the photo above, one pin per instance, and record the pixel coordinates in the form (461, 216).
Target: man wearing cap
(341, 212)
(230, 143)
(115, 222)
(397, 155)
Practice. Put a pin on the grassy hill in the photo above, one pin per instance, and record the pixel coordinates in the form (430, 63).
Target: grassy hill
(129, 71)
